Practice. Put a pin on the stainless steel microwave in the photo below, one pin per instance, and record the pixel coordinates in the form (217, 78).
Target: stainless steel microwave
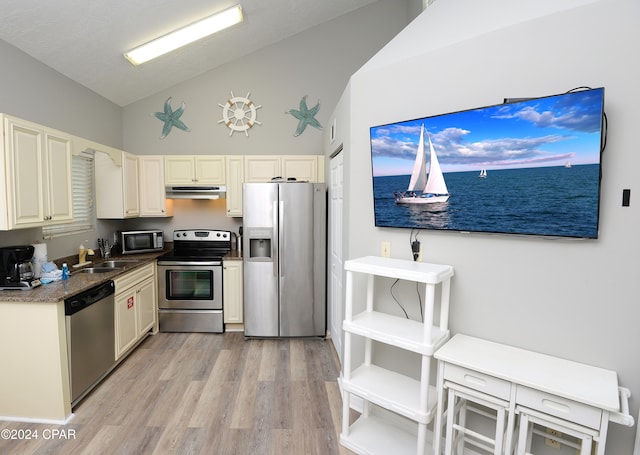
(141, 241)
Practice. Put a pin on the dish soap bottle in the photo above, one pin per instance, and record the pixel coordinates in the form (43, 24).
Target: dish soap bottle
(82, 254)
(65, 271)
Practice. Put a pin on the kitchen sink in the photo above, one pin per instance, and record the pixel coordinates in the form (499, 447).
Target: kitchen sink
(99, 269)
(117, 263)
(110, 266)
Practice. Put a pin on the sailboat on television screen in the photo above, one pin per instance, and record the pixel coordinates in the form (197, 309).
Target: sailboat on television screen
(423, 190)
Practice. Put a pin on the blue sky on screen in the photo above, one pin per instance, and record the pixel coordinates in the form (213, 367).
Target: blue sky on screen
(548, 131)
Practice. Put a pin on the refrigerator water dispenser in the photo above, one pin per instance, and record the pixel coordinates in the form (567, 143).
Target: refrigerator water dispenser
(260, 249)
(258, 244)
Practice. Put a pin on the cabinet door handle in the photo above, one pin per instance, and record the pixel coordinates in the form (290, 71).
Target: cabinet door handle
(475, 380)
(554, 405)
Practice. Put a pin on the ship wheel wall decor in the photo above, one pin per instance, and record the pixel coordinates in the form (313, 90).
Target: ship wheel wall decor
(239, 114)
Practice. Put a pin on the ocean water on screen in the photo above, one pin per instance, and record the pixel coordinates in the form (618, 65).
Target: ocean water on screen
(549, 201)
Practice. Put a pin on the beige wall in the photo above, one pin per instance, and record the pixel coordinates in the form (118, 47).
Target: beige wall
(317, 63)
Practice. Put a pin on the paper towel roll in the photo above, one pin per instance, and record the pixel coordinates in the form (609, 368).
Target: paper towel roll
(39, 258)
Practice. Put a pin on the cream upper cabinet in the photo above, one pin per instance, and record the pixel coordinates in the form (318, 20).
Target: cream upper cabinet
(58, 175)
(153, 201)
(262, 168)
(38, 187)
(235, 178)
(303, 167)
(117, 185)
(194, 170)
(131, 186)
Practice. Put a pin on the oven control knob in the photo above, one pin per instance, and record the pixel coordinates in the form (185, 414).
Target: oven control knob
(217, 234)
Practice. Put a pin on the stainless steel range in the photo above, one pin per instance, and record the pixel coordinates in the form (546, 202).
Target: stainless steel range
(190, 282)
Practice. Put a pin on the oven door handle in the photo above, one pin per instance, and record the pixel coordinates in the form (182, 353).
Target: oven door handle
(191, 263)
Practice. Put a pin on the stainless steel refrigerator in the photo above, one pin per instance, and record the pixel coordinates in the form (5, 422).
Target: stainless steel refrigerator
(284, 254)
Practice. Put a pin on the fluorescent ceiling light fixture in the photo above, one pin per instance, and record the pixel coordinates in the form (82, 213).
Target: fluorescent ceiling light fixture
(186, 35)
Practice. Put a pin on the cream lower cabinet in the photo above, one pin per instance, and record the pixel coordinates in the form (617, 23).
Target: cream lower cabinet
(38, 189)
(232, 285)
(136, 307)
(153, 201)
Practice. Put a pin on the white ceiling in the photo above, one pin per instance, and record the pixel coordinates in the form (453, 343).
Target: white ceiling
(85, 40)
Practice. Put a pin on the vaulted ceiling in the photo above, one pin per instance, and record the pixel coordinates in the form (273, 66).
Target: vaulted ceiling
(85, 40)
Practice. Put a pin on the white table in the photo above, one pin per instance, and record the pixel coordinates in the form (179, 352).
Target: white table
(576, 393)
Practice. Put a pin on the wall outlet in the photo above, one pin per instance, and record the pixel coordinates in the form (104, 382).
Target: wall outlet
(553, 442)
(420, 254)
(385, 251)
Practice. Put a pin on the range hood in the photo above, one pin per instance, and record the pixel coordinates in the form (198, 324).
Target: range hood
(195, 192)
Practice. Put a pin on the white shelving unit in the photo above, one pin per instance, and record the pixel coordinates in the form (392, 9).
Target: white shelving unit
(414, 400)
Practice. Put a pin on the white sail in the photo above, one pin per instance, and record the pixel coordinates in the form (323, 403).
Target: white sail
(433, 189)
(435, 183)
(419, 175)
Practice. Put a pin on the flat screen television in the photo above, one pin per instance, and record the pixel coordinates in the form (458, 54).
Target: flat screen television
(528, 167)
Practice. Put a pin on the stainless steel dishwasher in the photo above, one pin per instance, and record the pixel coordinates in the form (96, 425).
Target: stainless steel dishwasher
(90, 338)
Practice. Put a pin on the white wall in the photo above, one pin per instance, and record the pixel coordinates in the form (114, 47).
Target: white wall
(572, 299)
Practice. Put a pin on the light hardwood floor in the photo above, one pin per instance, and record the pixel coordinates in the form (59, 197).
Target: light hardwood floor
(206, 394)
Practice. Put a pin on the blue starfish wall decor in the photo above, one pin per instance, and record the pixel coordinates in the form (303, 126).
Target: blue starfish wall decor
(171, 118)
(305, 116)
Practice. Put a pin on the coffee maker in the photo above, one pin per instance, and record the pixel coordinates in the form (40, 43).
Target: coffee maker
(16, 271)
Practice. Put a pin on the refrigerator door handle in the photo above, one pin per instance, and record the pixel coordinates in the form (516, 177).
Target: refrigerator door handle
(281, 236)
(274, 243)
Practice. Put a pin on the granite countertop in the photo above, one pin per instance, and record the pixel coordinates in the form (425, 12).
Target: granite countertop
(78, 282)
(233, 255)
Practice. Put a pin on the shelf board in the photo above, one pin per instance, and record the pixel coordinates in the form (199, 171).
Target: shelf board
(375, 435)
(422, 272)
(391, 390)
(396, 331)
